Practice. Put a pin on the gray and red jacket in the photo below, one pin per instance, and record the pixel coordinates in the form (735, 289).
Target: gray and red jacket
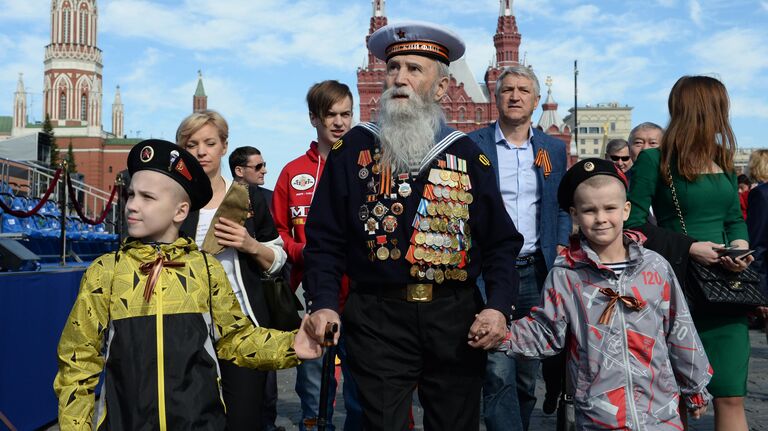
(629, 372)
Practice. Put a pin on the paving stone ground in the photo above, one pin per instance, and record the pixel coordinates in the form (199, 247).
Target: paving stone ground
(289, 410)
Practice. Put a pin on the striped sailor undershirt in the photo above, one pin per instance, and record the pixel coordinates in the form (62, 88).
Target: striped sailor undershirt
(617, 267)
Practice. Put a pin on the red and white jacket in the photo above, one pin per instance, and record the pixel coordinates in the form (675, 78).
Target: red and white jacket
(290, 203)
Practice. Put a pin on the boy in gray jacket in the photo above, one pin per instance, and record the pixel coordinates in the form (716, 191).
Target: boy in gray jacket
(633, 351)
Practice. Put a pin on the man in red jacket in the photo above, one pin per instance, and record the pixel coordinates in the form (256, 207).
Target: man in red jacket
(330, 112)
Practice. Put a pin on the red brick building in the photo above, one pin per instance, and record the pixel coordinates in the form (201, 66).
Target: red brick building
(468, 105)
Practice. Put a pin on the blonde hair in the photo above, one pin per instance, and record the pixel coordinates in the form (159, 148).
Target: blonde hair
(758, 166)
(195, 121)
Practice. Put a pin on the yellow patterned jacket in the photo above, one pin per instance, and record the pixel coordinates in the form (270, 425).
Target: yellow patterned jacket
(161, 371)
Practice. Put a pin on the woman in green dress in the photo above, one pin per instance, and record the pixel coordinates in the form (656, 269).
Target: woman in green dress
(697, 154)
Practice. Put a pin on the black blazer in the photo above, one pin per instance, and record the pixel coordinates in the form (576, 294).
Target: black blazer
(259, 226)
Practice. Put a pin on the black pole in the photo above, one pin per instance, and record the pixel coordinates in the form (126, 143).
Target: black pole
(63, 217)
(576, 105)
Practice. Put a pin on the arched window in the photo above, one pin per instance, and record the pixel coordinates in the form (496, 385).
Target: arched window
(461, 114)
(374, 115)
(83, 18)
(84, 107)
(63, 105)
(479, 115)
(67, 21)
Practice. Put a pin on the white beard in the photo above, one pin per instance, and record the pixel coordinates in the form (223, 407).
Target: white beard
(408, 127)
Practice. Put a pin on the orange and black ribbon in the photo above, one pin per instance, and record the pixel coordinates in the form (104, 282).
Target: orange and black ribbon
(153, 269)
(364, 159)
(542, 161)
(629, 301)
(386, 181)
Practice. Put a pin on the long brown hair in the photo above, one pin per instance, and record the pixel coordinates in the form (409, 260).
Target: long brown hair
(699, 131)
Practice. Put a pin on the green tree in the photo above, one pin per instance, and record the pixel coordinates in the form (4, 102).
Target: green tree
(48, 130)
(71, 165)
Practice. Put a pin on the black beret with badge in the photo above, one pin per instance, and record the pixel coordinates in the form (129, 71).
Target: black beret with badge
(582, 171)
(170, 159)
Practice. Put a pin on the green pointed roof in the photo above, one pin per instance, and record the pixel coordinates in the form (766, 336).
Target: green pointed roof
(200, 91)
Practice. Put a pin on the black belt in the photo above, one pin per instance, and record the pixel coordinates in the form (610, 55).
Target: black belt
(523, 261)
(411, 292)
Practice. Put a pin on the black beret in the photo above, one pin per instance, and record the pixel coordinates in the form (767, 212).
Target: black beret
(582, 171)
(170, 159)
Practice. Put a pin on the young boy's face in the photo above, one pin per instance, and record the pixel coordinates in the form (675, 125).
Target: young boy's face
(601, 212)
(156, 205)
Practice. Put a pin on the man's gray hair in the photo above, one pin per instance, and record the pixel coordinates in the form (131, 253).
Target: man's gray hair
(524, 71)
(642, 126)
(442, 70)
(616, 145)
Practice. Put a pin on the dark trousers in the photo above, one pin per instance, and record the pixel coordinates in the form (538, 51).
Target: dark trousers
(243, 396)
(396, 346)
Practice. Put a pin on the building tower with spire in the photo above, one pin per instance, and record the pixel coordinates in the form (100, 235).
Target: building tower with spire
(550, 121)
(19, 107)
(72, 79)
(370, 78)
(117, 114)
(199, 100)
(507, 43)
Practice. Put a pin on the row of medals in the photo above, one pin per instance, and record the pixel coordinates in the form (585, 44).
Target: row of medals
(443, 238)
(441, 231)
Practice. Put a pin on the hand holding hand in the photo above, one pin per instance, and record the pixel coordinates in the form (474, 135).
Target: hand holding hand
(306, 347)
(230, 234)
(704, 252)
(488, 329)
(317, 321)
(697, 413)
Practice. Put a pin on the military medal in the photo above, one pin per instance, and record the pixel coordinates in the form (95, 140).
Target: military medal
(389, 223)
(382, 253)
(395, 253)
(363, 213)
(430, 273)
(371, 226)
(439, 276)
(397, 208)
(414, 271)
(379, 210)
(363, 174)
(403, 189)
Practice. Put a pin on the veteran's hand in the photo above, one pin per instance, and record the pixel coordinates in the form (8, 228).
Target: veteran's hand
(317, 321)
(704, 252)
(697, 413)
(230, 234)
(488, 330)
(306, 347)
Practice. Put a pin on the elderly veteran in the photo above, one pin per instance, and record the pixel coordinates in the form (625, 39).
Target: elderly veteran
(411, 211)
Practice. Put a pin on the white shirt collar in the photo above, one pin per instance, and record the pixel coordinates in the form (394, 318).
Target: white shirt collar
(500, 138)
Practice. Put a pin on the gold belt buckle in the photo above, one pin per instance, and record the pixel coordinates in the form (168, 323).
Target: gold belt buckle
(419, 292)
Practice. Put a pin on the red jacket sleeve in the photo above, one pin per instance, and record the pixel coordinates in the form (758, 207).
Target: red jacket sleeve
(282, 218)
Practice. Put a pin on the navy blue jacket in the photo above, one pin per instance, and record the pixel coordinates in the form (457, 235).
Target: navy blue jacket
(337, 242)
(554, 223)
(757, 223)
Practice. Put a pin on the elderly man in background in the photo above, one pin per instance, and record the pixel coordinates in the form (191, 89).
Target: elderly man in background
(411, 211)
(643, 136)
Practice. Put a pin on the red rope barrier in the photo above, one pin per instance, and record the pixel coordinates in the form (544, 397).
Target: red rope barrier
(43, 200)
(79, 208)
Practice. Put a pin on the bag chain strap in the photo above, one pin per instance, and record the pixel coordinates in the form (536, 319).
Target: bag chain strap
(674, 199)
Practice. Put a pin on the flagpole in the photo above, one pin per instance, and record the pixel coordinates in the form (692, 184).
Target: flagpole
(576, 105)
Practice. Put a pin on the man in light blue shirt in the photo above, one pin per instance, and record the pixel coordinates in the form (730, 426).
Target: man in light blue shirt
(529, 166)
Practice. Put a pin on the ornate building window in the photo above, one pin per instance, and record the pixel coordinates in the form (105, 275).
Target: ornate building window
(67, 21)
(83, 18)
(461, 115)
(63, 105)
(374, 115)
(479, 115)
(84, 107)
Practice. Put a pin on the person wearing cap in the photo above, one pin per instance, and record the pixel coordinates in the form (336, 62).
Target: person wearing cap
(157, 315)
(633, 351)
(529, 164)
(410, 211)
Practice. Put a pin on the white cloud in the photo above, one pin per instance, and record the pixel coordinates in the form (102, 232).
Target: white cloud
(23, 10)
(749, 107)
(739, 55)
(764, 5)
(694, 12)
(263, 32)
(584, 16)
(666, 3)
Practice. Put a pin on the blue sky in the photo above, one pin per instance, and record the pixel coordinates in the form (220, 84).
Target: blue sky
(259, 57)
